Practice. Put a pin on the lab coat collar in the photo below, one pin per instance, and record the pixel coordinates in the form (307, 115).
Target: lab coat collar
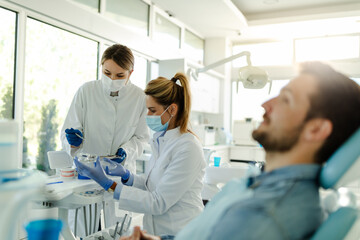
(173, 133)
(168, 134)
(121, 91)
(161, 137)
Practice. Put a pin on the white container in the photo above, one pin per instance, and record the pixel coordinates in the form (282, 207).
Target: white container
(8, 144)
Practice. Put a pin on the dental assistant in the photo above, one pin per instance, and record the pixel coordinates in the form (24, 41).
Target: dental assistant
(107, 116)
(169, 194)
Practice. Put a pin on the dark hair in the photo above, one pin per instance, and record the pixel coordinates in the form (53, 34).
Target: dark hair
(166, 92)
(120, 54)
(337, 99)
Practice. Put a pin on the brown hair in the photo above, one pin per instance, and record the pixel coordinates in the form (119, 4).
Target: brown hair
(166, 92)
(120, 54)
(337, 99)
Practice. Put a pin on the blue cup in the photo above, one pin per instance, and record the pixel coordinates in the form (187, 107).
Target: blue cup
(217, 161)
(46, 229)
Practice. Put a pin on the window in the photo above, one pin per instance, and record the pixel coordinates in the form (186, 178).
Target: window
(138, 77)
(132, 14)
(270, 54)
(246, 103)
(166, 32)
(57, 64)
(154, 71)
(194, 47)
(205, 94)
(7, 60)
(93, 5)
(327, 48)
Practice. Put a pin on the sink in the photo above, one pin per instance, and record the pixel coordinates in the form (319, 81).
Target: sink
(223, 174)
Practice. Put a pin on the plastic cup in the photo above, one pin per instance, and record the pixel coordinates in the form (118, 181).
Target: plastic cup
(217, 161)
(46, 229)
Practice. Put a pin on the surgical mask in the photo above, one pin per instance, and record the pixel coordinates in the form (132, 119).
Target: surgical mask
(154, 122)
(112, 85)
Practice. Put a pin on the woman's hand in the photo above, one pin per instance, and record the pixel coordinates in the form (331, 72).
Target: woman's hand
(118, 170)
(74, 137)
(96, 173)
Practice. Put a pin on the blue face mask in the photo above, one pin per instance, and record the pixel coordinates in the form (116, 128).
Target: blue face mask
(154, 122)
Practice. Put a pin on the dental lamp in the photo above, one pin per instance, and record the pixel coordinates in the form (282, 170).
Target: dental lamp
(251, 77)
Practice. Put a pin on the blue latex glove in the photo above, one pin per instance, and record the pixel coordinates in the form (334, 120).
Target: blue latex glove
(119, 170)
(121, 155)
(72, 138)
(96, 173)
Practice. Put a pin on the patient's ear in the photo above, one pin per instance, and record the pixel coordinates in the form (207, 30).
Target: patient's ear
(318, 129)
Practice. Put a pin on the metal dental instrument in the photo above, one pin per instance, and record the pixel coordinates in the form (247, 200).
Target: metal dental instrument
(117, 224)
(79, 136)
(128, 224)
(122, 225)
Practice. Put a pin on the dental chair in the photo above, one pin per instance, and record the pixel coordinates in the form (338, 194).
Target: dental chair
(341, 168)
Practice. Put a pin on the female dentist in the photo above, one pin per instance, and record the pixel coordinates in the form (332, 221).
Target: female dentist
(169, 194)
(107, 117)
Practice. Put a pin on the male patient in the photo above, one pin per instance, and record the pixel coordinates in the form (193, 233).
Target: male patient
(313, 115)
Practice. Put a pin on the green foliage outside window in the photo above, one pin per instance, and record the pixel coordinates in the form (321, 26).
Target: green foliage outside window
(6, 110)
(47, 135)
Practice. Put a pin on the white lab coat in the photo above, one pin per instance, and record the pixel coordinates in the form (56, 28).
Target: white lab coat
(107, 124)
(169, 194)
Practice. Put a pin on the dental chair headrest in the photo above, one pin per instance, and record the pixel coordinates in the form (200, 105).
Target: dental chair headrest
(343, 166)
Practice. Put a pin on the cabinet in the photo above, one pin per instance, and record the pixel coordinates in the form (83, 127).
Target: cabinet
(247, 153)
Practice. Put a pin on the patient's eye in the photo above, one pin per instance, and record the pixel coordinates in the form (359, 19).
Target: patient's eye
(285, 99)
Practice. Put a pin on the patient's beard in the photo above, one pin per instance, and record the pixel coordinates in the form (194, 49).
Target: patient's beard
(276, 141)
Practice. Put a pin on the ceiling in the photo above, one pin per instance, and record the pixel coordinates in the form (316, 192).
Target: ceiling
(259, 20)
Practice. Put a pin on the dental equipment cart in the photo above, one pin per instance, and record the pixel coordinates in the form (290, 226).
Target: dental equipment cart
(73, 194)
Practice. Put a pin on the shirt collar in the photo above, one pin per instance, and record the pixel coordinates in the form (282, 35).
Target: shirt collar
(299, 171)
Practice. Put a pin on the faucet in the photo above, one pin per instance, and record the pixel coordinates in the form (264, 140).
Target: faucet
(207, 154)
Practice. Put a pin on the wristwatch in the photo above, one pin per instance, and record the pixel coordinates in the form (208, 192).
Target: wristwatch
(112, 188)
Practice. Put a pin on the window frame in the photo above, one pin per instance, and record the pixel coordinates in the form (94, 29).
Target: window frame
(14, 80)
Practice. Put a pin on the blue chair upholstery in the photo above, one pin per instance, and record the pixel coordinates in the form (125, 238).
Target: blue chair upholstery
(341, 168)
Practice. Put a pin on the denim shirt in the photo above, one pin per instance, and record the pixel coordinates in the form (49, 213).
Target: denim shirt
(281, 204)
